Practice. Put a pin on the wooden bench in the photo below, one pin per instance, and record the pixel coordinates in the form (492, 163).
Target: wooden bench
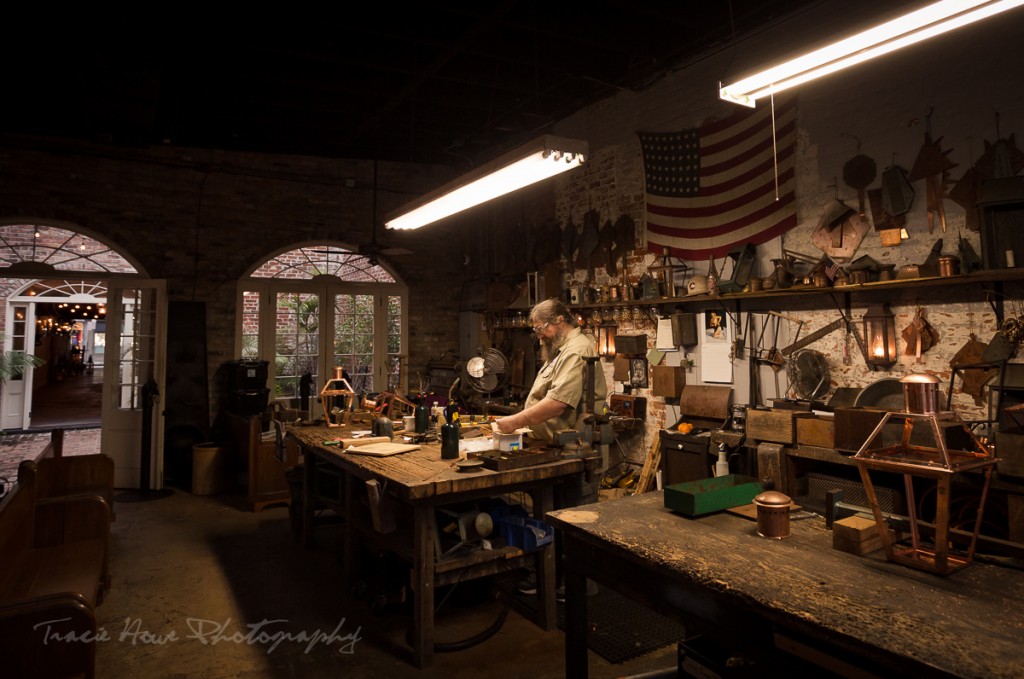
(53, 574)
(265, 472)
(61, 475)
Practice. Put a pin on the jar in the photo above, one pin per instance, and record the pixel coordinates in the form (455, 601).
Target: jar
(739, 417)
(949, 265)
(772, 514)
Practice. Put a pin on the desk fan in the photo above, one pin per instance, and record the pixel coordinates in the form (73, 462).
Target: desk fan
(488, 372)
(808, 374)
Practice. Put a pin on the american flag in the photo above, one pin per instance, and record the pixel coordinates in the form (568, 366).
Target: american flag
(711, 189)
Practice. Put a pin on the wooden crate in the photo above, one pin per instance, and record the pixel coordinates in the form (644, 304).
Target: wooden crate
(816, 430)
(771, 425)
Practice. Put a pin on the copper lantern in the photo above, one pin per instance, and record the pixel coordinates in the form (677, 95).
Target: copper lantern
(880, 335)
(606, 340)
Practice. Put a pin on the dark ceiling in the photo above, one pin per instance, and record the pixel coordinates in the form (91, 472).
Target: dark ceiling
(441, 81)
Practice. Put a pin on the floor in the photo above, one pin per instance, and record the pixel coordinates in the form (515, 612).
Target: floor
(204, 587)
(75, 401)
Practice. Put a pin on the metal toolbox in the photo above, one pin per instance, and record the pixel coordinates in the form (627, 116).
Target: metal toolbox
(711, 495)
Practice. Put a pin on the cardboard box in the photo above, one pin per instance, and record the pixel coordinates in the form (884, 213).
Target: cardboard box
(669, 380)
(816, 430)
(771, 425)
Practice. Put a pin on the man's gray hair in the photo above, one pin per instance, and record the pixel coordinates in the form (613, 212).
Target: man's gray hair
(549, 310)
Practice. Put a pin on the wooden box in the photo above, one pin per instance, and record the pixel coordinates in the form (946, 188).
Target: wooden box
(669, 380)
(853, 425)
(816, 430)
(771, 425)
(631, 345)
(1010, 451)
(856, 535)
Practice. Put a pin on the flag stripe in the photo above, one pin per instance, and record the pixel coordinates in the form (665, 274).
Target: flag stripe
(713, 189)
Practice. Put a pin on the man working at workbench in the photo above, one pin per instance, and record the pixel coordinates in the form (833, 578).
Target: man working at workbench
(556, 402)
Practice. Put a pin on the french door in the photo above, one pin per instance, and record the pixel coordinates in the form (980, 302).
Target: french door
(19, 336)
(133, 377)
(303, 328)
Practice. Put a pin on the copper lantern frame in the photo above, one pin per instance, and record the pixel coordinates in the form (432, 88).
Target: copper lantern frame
(337, 395)
(938, 463)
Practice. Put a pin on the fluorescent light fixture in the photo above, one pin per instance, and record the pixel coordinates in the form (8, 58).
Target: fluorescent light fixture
(927, 22)
(540, 159)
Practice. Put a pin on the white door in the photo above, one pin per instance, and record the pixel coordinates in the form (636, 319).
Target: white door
(133, 376)
(19, 336)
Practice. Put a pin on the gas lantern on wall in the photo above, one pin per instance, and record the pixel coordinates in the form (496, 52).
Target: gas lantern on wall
(880, 335)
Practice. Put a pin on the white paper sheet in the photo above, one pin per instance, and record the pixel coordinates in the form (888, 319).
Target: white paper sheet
(665, 341)
(716, 348)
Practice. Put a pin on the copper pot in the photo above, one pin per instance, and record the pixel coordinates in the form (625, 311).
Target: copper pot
(921, 393)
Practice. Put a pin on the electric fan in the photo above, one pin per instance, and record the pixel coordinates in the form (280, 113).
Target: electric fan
(808, 374)
(488, 372)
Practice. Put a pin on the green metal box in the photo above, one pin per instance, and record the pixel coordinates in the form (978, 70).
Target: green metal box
(694, 498)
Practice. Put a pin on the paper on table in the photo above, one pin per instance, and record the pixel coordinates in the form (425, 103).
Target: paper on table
(665, 341)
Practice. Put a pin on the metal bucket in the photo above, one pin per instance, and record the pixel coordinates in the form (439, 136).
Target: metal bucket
(921, 393)
(772, 514)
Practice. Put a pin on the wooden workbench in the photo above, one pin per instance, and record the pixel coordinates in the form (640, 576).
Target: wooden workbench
(835, 609)
(413, 485)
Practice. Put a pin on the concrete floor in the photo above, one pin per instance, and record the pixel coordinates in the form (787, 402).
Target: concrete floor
(191, 574)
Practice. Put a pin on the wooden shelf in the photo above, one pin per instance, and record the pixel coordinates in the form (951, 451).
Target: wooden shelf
(965, 287)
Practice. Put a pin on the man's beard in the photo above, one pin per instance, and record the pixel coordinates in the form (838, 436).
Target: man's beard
(547, 349)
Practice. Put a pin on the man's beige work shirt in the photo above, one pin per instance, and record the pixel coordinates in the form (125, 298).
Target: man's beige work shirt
(562, 378)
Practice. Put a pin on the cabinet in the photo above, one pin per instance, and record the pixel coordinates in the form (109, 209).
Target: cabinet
(266, 481)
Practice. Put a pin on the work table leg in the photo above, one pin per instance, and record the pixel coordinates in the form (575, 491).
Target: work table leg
(576, 660)
(547, 615)
(308, 474)
(423, 587)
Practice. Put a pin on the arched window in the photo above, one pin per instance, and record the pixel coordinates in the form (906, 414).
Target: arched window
(319, 307)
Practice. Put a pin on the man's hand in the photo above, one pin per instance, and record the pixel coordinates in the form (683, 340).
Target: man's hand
(506, 425)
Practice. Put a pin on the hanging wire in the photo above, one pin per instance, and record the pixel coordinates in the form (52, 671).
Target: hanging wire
(775, 149)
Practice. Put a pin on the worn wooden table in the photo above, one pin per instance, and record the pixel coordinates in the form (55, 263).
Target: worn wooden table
(412, 486)
(847, 613)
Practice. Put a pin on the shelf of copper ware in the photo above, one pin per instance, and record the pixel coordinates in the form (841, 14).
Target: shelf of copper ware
(812, 296)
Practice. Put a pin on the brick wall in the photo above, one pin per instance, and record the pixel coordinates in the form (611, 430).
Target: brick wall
(201, 219)
(880, 109)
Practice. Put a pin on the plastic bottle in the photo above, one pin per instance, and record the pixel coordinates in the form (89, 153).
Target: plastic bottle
(722, 466)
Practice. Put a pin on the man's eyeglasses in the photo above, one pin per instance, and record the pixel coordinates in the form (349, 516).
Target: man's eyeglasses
(540, 328)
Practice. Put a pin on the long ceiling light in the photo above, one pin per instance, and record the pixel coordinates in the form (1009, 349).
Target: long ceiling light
(932, 20)
(539, 159)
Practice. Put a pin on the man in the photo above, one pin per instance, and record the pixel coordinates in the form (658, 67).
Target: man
(556, 400)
